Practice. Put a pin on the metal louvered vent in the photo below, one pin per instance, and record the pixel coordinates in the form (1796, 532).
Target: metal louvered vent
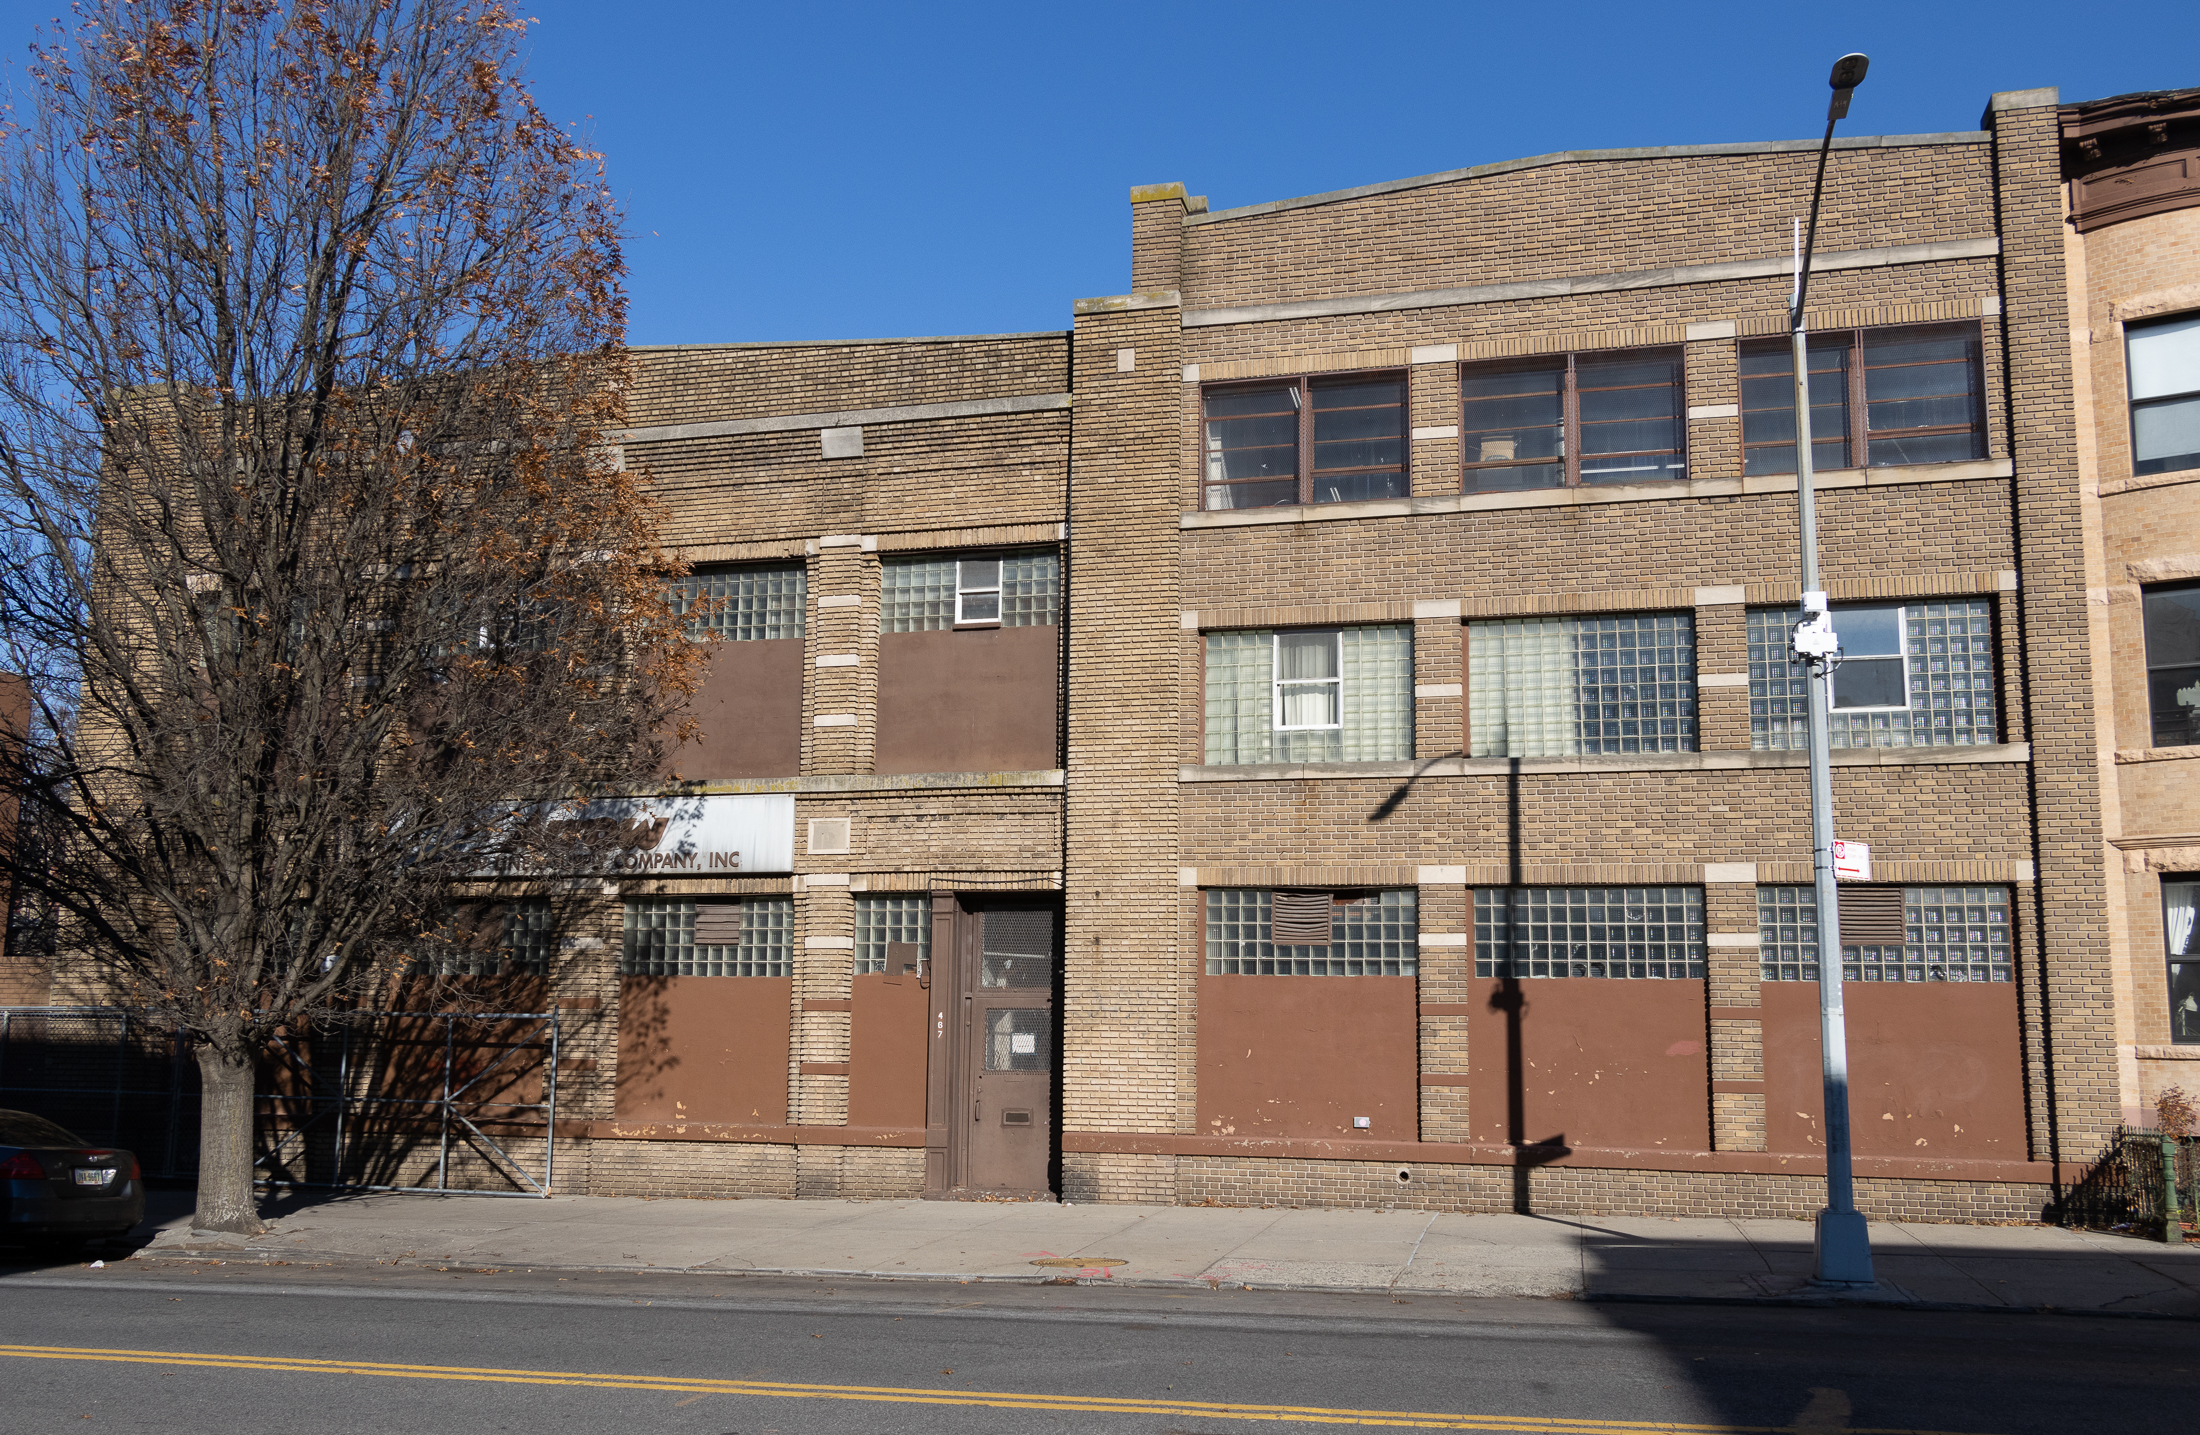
(717, 924)
(1872, 917)
(1301, 919)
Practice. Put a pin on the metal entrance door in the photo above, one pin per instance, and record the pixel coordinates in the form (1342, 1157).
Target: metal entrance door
(993, 1050)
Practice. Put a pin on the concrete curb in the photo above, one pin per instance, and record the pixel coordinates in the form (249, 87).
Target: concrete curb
(1886, 1298)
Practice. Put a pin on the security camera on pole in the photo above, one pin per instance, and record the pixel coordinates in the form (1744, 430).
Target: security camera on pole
(1844, 1253)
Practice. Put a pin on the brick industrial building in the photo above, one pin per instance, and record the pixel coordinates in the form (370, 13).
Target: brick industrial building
(1320, 730)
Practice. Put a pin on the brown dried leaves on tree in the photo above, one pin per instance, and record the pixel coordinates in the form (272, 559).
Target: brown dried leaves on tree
(319, 554)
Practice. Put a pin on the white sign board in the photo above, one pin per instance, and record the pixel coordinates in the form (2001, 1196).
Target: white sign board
(717, 833)
(1852, 862)
(704, 835)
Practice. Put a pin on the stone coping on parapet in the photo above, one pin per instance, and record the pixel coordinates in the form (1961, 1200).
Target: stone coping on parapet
(845, 418)
(845, 343)
(1885, 477)
(1626, 762)
(860, 782)
(1585, 156)
(1567, 285)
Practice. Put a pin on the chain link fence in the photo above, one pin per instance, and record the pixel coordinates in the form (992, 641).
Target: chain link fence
(112, 1080)
(457, 1102)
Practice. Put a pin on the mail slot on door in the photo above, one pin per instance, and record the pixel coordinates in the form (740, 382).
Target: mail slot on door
(1015, 1118)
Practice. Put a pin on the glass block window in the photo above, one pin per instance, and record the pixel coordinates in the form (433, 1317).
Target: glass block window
(1016, 590)
(742, 604)
(679, 937)
(1916, 674)
(1310, 695)
(880, 920)
(530, 935)
(1376, 934)
(1588, 932)
(486, 938)
(1956, 934)
(1564, 686)
(1031, 590)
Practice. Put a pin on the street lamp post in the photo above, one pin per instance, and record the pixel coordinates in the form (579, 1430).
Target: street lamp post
(1844, 1253)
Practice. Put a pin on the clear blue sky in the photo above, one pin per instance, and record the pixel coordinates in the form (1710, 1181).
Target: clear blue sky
(862, 170)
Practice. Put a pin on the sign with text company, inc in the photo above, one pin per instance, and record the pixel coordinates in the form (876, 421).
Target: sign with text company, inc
(708, 834)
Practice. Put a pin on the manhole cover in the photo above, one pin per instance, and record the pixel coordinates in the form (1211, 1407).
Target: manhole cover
(1081, 1262)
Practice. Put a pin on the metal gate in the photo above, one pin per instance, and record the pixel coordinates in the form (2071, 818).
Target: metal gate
(455, 1102)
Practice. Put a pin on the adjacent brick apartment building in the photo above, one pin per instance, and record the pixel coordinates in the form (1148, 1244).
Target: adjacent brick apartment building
(1320, 730)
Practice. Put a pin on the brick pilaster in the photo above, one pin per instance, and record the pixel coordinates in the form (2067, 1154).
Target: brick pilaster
(2066, 984)
(1128, 988)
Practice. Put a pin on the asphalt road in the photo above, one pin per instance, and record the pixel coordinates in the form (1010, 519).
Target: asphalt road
(327, 1351)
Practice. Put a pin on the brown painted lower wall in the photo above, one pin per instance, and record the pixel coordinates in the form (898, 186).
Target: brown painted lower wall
(1302, 1056)
(886, 1051)
(968, 700)
(1935, 1069)
(1589, 1062)
(748, 713)
(703, 1049)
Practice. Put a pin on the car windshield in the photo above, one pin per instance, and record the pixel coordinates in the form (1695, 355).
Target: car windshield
(23, 1128)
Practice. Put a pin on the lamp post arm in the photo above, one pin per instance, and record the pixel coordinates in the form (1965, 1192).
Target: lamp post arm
(1810, 234)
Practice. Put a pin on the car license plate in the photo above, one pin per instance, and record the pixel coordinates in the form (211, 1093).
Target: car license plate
(85, 1176)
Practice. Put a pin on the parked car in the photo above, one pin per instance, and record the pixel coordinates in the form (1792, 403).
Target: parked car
(54, 1185)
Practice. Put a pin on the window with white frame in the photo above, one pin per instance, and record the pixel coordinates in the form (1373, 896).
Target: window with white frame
(1912, 674)
(1013, 590)
(681, 937)
(2164, 363)
(1564, 686)
(1310, 695)
(883, 919)
(2180, 904)
(1648, 932)
(1369, 934)
(1953, 934)
(741, 604)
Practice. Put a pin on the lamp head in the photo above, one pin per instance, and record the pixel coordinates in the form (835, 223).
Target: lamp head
(1848, 73)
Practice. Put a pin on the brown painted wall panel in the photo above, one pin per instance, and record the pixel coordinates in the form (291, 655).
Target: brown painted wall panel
(704, 1049)
(749, 710)
(1302, 1056)
(1934, 1069)
(977, 700)
(1600, 1062)
(887, 1048)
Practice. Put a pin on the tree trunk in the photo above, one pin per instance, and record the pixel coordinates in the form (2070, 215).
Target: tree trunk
(225, 1144)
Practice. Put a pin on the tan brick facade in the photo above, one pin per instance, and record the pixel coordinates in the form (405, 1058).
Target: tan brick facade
(1091, 445)
(2140, 531)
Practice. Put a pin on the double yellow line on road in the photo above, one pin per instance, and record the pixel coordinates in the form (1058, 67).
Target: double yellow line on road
(890, 1394)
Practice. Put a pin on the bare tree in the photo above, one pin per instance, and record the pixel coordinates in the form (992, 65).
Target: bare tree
(328, 586)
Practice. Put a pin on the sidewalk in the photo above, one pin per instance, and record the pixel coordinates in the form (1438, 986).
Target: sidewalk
(1593, 1258)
